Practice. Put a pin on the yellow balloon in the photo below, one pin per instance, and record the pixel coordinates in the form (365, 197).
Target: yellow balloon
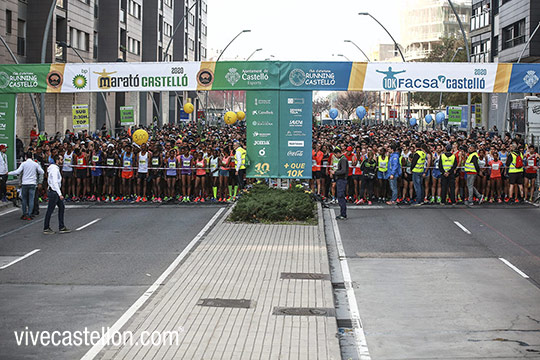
(230, 117)
(241, 115)
(140, 137)
(188, 108)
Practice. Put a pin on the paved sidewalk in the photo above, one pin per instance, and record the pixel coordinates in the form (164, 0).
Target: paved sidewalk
(242, 261)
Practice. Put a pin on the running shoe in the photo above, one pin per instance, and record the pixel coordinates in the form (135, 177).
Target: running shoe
(369, 202)
(202, 200)
(159, 200)
(144, 199)
(138, 199)
(499, 201)
(93, 198)
(64, 230)
(166, 198)
(48, 231)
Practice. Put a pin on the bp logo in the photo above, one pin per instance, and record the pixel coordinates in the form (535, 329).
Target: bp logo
(531, 78)
(79, 81)
(4, 79)
(232, 76)
(297, 77)
(390, 81)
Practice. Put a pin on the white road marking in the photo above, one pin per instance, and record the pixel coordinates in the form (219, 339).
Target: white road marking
(9, 211)
(361, 342)
(462, 227)
(148, 293)
(19, 259)
(90, 223)
(514, 268)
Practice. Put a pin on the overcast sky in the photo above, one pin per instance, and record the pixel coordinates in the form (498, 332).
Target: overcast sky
(299, 29)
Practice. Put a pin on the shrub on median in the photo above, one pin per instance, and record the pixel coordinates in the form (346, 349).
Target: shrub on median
(264, 204)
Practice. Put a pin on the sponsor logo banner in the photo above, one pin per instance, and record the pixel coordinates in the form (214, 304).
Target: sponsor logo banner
(430, 77)
(315, 75)
(245, 75)
(295, 111)
(525, 78)
(8, 119)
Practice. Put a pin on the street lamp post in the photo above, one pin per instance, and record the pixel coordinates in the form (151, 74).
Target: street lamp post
(41, 123)
(220, 55)
(17, 62)
(519, 59)
(363, 53)
(453, 57)
(466, 44)
(253, 53)
(66, 45)
(402, 57)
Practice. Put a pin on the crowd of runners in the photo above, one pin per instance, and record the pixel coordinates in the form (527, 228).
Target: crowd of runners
(404, 166)
(186, 164)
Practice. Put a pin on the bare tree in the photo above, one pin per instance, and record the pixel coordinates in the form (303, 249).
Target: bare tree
(319, 105)
(348, 101)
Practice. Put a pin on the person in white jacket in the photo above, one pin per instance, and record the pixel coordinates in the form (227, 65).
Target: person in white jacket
(30, 171)
(54, 194)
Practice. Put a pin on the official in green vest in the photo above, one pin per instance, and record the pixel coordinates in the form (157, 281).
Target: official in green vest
(472, 168)
(240, 156)
(515, 171)
(417, 166)
(447, 167)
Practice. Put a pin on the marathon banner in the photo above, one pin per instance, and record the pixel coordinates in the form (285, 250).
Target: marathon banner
(278, 134)
(270, 75)
(8, 124)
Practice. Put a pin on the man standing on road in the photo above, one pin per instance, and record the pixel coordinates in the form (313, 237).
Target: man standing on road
(240, 155)
(341, 182)
(30, 170)
(472, 168)
(54, 194)
(394, 172)
(3, 172)
(514, 164)
(417, 166)
(447, 167)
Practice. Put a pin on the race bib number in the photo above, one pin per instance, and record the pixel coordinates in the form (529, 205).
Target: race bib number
(142, 161)
(530, 162)
(127, 163)
(155, 162)
(313, 162)
(350, 163)
(80, 161)
(186, 163)
(172, 165)
(495, 167)
(95, 158)
(110, 162)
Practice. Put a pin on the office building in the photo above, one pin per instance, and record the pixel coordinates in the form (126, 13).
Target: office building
(102, 31)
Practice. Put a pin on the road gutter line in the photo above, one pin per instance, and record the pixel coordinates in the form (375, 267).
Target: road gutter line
(97, 347)
(462, 227)
(19, 259)
(90, 223)
(361, 342)
(514, 268)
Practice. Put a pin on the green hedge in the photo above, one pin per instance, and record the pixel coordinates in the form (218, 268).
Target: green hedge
(264, 204)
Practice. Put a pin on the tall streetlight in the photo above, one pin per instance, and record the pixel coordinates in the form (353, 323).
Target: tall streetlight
(17, 62)
(466, 44)
(177, 27)
(41, 123)
(230, 42)
(66, 45)
(220, 55)
(453, 57)
(519, 59)
(363, 53)
(253, 53)
(400, 53)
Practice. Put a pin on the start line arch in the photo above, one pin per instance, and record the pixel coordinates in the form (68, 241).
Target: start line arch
(279, 94)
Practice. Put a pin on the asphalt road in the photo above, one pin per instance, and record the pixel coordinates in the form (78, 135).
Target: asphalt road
(428, 288)
(88, 278)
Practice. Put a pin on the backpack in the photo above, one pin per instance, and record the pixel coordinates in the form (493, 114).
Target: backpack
(519, 161)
